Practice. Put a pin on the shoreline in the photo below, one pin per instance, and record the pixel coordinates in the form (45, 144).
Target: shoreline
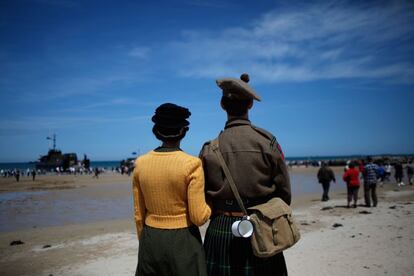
(110, 247)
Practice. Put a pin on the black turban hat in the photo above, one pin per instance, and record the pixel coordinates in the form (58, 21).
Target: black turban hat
(170, 115)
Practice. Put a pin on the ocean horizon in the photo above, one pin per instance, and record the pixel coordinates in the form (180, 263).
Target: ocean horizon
(116, 163)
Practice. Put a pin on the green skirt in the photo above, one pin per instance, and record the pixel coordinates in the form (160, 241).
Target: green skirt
(171, 252)
(227, 255)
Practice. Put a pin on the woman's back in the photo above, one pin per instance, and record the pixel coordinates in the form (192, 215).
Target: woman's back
(169, 202)
(351, 176)
(171, 185)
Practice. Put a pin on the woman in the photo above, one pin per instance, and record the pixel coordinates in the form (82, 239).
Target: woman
(351, 177)
(169, 201)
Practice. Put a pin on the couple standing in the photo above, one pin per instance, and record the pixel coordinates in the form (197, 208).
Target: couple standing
(175, 192)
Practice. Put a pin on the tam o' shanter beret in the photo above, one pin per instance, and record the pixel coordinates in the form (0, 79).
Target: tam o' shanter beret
(170, 115)
(237, 88)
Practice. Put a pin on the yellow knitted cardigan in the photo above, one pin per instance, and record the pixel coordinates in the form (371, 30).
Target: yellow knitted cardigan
(168, 189)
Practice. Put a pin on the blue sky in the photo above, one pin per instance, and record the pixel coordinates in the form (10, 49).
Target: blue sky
(335, 77)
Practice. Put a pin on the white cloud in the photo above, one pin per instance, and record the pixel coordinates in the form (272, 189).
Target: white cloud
(140, 52)
(38, 124)
(311, 42)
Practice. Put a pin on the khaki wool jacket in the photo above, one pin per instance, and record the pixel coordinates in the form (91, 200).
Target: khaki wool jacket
(255, 161)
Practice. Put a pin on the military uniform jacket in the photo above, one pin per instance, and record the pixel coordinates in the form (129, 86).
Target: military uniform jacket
(255, 161)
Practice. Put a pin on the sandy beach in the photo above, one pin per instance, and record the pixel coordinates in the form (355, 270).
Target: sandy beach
(335, 240)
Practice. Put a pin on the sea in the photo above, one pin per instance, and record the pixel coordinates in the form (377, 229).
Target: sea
(30, 165)
(116, 163)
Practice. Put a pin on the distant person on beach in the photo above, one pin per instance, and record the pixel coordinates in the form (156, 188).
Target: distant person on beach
(388, 170)
(361, 168)
(381, 174)
(399, 174)
(410, 172)
(169, 201)
(17, 175)
(33, 174)
(96, 172)
(370, 183)
(325, 176)
(351, 178)
(256, 162)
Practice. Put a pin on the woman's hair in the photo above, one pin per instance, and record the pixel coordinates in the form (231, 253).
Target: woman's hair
(235, 107)
(169, 134)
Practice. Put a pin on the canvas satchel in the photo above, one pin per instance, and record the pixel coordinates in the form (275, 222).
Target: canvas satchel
(274, 228)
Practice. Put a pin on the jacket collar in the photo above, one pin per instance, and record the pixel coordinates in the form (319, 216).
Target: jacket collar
(237, 122)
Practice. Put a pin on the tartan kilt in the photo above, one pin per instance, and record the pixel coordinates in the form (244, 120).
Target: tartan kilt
(227, 255)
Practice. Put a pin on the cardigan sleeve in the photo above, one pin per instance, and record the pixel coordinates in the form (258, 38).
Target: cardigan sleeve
(139, 204)
(199, 211)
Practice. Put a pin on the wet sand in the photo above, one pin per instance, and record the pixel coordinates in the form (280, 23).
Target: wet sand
(378, 241)
(63, 199)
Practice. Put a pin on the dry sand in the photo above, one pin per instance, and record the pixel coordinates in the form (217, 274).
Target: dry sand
(366, 241)
(378, 241)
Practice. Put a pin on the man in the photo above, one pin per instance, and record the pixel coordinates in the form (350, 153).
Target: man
(257, 165)
(410, 172)
(381, 174)
(370, 183)
(33, 174)
(399, 173)
(325, 176)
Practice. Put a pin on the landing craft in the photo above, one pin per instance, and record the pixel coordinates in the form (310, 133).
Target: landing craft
(55, 158)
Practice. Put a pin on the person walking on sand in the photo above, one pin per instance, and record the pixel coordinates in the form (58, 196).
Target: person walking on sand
(381, 174)
(17, 175)
(370, 183)
(410, 172)
(33, 174)
(388, 170)
(96, 173)
(399, 174)
(351, 178)
(169, 201)
(257, 164)
(325, 176)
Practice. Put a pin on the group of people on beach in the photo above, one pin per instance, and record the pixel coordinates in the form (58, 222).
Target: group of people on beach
(370, 173)
(174, 192)
(16, 173)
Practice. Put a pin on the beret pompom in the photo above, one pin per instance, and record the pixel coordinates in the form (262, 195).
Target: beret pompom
(245, 77)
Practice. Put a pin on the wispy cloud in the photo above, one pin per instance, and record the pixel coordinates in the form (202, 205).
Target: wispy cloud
(103, 105)
(328, 40)
(66, 86)
(140, 52)
(37, 124)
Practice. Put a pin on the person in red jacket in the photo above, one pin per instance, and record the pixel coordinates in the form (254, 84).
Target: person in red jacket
(351, 177)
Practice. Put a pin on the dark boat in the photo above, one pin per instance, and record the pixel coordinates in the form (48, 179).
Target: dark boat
(55, 158)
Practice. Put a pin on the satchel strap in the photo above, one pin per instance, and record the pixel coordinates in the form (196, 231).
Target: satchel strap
(216, 150)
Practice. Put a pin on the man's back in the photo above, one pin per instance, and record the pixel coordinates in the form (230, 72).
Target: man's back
(370, 173)
(254, 161)
(325, 174)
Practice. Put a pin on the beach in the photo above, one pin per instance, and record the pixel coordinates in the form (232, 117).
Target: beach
(78, 225)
